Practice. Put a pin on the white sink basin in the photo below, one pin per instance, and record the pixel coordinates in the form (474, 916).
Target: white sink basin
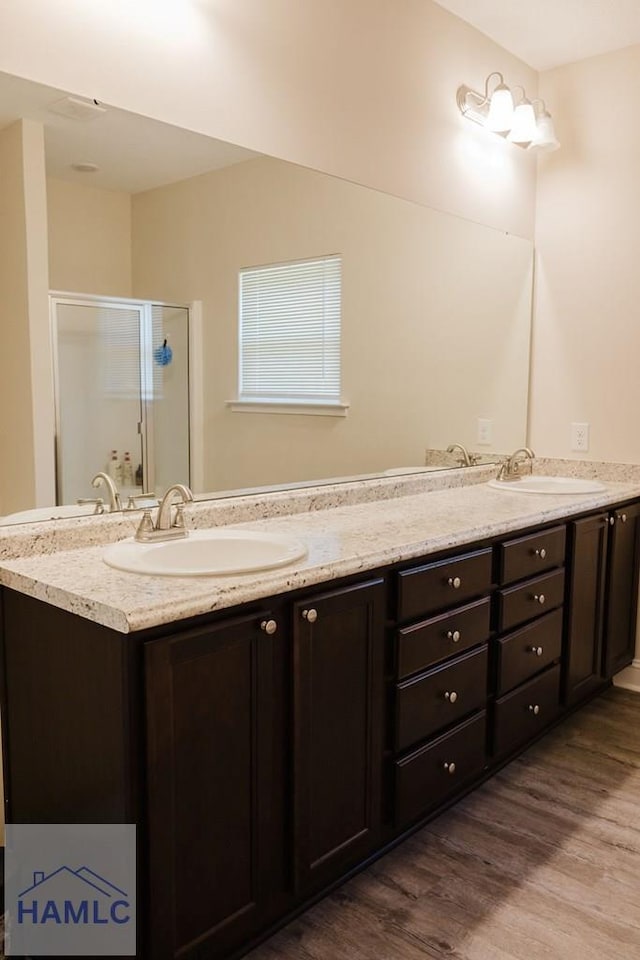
(206, 553)
(554, 485)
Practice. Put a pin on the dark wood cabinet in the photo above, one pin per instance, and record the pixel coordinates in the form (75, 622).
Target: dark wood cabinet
(587, 556)
(622, 588)
(266, 751)
(604, 552)
(529, 599)
(437, 699)
(426, 777)
(338, 728)
(209, 784)
(522, 714)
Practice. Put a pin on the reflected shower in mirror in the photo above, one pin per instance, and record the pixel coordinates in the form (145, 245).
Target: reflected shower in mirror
(122, 395)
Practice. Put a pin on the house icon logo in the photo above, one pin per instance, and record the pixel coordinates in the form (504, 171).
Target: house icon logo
(72, 897)
(70, 890)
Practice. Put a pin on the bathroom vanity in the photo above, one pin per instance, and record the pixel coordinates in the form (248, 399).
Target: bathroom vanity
(311, 719)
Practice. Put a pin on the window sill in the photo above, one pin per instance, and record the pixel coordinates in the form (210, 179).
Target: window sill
(297, 408)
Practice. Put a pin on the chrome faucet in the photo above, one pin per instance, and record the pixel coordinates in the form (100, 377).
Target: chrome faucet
(466, 459)
(510, 468)
(114, 496)
(165, 528)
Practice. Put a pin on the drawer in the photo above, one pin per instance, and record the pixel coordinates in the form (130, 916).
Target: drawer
(425, 778)
(535, 553)
(425, 643)
(531, 649)
(530, 599)
(440, 698)
(522, 714)
(434, 586)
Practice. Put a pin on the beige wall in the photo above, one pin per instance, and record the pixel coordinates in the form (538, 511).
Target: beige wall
(361, 89)
(26, 427)
(89, 239)
(423, 354)
(586, 330)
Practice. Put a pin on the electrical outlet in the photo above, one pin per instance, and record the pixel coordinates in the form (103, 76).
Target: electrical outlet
(485, 429)
(580, 437)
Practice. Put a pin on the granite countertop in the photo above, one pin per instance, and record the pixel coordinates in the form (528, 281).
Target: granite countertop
(341, 541)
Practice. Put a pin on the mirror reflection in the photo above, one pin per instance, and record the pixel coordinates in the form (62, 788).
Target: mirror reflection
(433, 314)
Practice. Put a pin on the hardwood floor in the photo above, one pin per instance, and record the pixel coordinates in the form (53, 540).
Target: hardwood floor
(541, 863)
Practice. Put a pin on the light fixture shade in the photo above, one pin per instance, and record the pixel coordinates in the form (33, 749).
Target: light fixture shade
(500, 116)
(524, 127)
(545, 139)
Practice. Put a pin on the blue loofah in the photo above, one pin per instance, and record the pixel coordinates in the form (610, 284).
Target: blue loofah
(163, 355)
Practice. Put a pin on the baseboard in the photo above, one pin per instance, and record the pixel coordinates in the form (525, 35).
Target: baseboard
(629, 678)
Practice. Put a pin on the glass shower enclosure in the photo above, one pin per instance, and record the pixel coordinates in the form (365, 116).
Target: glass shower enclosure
(121, 380)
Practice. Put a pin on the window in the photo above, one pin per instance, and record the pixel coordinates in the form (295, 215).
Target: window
(290, 334)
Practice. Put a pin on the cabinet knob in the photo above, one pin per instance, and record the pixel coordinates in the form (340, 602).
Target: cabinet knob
(538, 651)
(310, 615)
(451, 696)
(534, 709)
(453, 635)
(623, 517)
(269, 627)
(454, 582)
(450, 767)
(612, 521)
(541, 552)
(539, 598)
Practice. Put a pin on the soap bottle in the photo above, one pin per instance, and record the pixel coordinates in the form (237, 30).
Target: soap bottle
(127, 470)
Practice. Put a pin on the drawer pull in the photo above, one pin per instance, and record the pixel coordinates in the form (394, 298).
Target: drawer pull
(539, 598)
(454, 582)
(453, 635)
(541, 552)
(537, 651)
(450, 767)
(534, 708)
(451, 696)
(623, 517)
(269, 627)
(310, 615)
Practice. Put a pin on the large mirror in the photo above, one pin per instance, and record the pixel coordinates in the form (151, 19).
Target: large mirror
(435, 311)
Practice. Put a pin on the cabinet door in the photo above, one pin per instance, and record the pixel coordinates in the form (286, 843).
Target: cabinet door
(585, 606)
(338, 652)
(209, 767)
(622, 589)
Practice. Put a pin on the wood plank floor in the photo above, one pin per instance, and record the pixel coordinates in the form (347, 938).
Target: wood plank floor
(541, 863)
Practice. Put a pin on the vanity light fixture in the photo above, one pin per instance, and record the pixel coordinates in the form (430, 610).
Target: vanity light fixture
(524, 126)
(526, 123)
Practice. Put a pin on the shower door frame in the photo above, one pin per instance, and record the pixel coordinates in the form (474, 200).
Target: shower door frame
(145, 424)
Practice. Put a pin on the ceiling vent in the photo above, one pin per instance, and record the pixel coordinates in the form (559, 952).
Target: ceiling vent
(76, 109)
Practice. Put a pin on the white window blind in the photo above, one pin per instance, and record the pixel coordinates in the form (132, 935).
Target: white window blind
(290, 332)
(118, 333)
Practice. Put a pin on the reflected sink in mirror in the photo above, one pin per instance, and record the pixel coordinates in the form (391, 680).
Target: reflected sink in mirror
(40, 514)
(555, 485)
(401, 471)
(206, 553)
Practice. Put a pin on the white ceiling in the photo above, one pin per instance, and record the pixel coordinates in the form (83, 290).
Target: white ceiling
(548, 33)
(132, 152)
